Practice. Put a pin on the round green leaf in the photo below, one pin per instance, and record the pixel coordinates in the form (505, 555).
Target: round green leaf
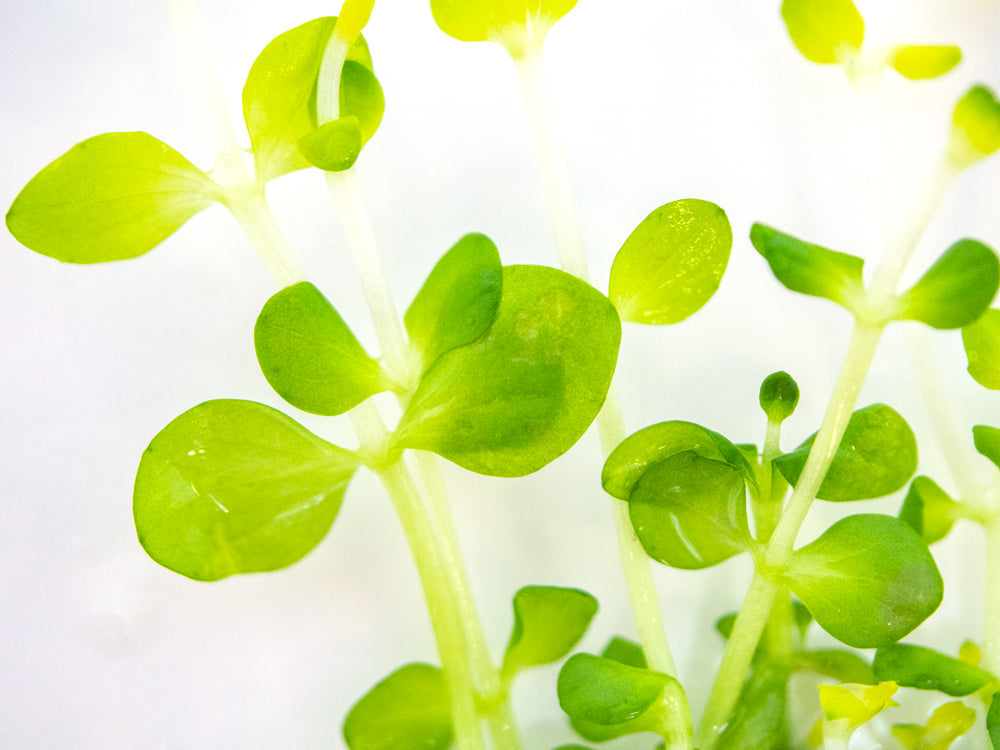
(309, 355)
(333, 146)
(920, 61)
(525, 391)
(112, 197)
(409, 710)
(779, 395)
(975, 127)
(548, 622)
(458, 302)
(868, 580)
(519, 25)
(606, 692)
(926, 669)
(236, 487)
(987, 441)
(929, 510)
(956, 290)
(824, 31)
(672, 263)
(982, 348)
(876, 457)
(690, 512)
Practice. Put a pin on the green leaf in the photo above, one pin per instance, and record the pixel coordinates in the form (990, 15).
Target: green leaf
(236, 487)
(672, 263)
(947, 724)
(548, 622)
(810, 269)
(523, 393)
(920, 61)
(975, 127)
(112, 197)
(458, 302)
(409, 709)
(856, 704)
(624, 651)
(640, 450)
(759, 719)
(824, 31)
(779, 395)
(987, 440)
(334, 146)
(690, 512)
(868, 580)
(993, 721)
(982, 348)
(956, 290)
(841, 665)
(279, 97)
(926, 669)
(309, 355)
(876, 457)
(929, 510)
(519, 25)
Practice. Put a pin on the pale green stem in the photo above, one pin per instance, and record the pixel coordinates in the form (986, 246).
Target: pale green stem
(254, 216)
(991, 613)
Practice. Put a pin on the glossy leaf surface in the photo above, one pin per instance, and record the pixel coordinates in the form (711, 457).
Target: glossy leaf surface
(519, 25)
(927, 669)
(868, 580)
(672, 262)
(236, 487)
(987, 441)
(810, 269)
(409, 709)
(523, 393)
(876, 457)
(458, 302)
(929, 510)
(956, 290)
(690, 512)
(333, 146)
(112, 197)
(947, 724)
(982, 348)
(309, 355)
(605, 692)
(975, 127)
(823, 30)
(920, 61)
(548, 622)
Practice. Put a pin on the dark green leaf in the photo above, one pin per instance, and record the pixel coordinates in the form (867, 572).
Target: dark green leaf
(458, 302)
(112, 197)
(409, 710)
(876, 457)
(920, 61)
(548, 622)
(868, 580)
(607, 693)
(825, 31)
(929, 510)
(779, 395)
(333, 146)
(523, 393)
(690, 512)
(758, 721)
(236, 487)
(987, 440)
(724, 625)
(625, 652)
(810, 269)
(956, 290)
(309, 355)
(993, 721)
(926, 669)
(982, 347)
(672, 263)
(841, 665)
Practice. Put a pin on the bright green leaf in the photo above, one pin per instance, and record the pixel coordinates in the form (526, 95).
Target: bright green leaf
(929, 510)
(672, 263)
(279, 97)
(825, 31)
(810, 269)
(856, 704)
(523, 393)
(309, 355)
(947, 724)
(548, 622)
(956, 290)
(333, 146)
(112, 197)
(759, 719)
(987, 440)
(624, 651)
(975, 127)
(690, 512)
(236, 487)
(876, 457)
(519, 25)
(926, 669)
(841, 665)
(919, 61)
(868, 580)
(409, 710)
(993, 721)
(779, 395)
(458, 302)
(354, 15)
(982, 347)
(605, 692)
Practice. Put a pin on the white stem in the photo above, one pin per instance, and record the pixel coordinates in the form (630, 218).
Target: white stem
(330, 70)
(254, 216)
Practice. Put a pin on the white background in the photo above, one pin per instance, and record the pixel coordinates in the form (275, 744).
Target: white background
(102, 648)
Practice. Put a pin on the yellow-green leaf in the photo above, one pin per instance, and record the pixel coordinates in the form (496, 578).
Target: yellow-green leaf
(825, 31)
(919, 61)
(519, 25)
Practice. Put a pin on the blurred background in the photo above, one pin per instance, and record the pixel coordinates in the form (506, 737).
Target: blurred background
(102, 648)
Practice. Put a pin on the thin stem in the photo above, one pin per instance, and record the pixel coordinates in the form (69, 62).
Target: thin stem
(255, 217)
(991, 614)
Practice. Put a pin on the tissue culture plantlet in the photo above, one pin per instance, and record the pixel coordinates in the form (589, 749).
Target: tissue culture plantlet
(500, 369)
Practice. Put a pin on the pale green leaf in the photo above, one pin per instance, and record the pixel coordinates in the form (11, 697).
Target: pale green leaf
(548, 622)
(920, 61)
(975, 127)
(947, 724)
(825, 31)
(333, 146)
(987, 441)
(982, 348)
(519, 25)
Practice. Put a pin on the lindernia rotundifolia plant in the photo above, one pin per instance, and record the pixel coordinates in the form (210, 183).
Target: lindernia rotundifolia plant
(500, 368)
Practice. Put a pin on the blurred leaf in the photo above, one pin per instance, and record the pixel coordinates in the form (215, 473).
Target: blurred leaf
(841, 665)
(519, 25)
(926, 669)
(987, 440)
(236, 487)
(982, 347)
(333, 146)
(672, 263)
(868, 580)
(409, 709)
(929, 510)
(856, 704)
(548, 622)
(876, 457)
(947, 724)
(112, 197)
(975, 127)
(993, 721)
(919, 61)
(759, 719)
(823, 30)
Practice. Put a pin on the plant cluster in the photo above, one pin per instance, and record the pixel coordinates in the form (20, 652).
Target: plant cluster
(500, 369)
